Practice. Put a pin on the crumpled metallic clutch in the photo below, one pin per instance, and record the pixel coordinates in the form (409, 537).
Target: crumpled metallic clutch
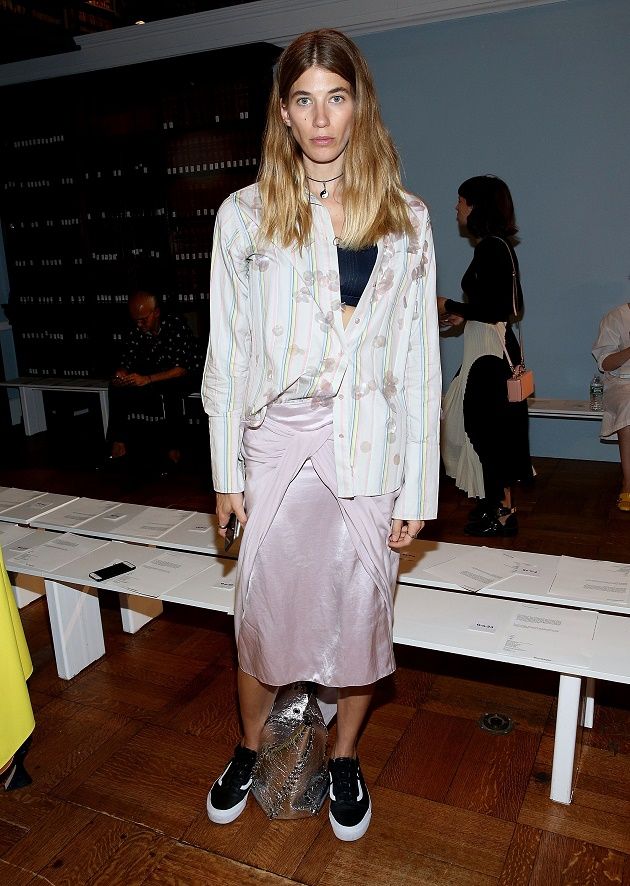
(291, 777)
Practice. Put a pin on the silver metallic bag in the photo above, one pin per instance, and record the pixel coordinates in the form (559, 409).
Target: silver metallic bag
(290, 776)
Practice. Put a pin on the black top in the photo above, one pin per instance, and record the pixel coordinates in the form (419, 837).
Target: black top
(487, 285)
(174, 345)
(355, 267)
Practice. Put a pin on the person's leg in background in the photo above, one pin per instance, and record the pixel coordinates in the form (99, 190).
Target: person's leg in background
(122, 402)
(623, 436)
(173, 393)
(485, 422)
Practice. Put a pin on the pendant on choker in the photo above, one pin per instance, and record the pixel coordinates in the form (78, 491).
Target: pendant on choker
(324, 193)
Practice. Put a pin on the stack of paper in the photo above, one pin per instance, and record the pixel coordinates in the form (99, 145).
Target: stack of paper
(598, 581)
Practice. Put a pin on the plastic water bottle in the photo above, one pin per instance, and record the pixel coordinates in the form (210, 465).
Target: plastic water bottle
(597, 394)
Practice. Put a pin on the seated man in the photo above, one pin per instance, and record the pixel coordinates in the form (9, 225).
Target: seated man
(159, 362)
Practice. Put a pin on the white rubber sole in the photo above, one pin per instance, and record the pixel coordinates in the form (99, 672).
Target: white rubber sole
(225, 816)
(348, 834)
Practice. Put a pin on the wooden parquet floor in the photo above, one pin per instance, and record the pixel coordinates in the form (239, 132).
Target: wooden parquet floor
(124, 753)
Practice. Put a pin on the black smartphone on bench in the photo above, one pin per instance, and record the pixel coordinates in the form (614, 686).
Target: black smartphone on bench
(112, 571)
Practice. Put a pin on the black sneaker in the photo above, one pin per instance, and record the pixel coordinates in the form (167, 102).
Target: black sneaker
(350, 806)
(228, 795)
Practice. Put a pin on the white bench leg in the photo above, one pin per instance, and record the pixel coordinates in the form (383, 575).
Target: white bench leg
(104, 410)
(77, 630)
(589, 702)
(564, 742)
(26, 588)
(137, 611)
(32, 411)
(24, 596)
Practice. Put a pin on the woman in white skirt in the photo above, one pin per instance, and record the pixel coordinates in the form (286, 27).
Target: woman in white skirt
(612, 352)
(322, 387)
(485, 445)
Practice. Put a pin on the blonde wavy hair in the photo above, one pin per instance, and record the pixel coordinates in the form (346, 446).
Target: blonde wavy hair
(372, 191)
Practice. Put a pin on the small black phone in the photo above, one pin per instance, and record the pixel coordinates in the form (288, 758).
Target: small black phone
(232, 532)
(112, 571)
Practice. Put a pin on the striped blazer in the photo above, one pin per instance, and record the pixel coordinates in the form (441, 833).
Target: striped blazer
(276, 334)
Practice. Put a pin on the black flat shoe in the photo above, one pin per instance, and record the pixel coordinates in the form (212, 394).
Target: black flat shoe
(16, 776)
(111, 465)
(490, 526)
(481, 509)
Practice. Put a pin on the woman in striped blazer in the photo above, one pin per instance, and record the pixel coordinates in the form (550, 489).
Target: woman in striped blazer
(322, 387)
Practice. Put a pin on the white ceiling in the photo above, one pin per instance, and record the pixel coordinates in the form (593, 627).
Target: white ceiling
(272, 21)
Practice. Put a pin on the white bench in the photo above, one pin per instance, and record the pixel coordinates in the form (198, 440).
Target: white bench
(79, 638)
(571, 410)
(541, 408)
(427, 617)
(32, 400)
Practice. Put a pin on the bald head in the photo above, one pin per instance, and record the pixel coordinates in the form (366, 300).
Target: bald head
(144, 311)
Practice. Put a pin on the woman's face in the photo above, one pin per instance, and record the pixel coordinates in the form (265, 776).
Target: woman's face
(463, 211)
(319, 111)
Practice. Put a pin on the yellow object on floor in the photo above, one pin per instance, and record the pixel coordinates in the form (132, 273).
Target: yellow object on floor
(623, 502)
(16, 713)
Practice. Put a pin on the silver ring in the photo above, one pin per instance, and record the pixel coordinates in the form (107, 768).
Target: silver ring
(223, 527)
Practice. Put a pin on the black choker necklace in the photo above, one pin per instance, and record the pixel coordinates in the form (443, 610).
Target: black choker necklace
(324, 181)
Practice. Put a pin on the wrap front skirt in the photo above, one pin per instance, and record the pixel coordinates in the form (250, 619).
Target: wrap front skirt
(315, 579)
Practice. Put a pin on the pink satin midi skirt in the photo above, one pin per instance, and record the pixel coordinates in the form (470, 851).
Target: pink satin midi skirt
(315, 580)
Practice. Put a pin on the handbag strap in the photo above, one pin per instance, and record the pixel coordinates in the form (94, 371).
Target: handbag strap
(514, 309)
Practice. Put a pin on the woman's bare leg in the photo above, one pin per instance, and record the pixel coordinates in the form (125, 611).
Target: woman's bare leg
(352, 706)
(255, 701)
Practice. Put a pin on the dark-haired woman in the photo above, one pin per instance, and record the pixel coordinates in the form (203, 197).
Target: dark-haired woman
(485, 443)
(322, 386)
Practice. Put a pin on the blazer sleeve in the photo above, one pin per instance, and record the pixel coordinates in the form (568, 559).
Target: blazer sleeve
(418, 498)
(229, 349)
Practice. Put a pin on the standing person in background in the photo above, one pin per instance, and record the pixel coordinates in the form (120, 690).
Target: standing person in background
(322, 386)
(16, 713)
(612, 352)
(485, 443)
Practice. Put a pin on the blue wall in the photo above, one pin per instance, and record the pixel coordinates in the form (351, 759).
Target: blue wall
(540, 97)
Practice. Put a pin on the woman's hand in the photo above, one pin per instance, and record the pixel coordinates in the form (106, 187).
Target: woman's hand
(451, 320)
(447, 318)
(403, 533)
(229, 503)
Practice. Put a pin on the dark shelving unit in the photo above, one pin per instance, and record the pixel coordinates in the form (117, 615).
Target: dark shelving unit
(112, 176)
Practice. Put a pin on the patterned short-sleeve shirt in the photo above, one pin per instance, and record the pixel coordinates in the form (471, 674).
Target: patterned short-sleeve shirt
(174, 345)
